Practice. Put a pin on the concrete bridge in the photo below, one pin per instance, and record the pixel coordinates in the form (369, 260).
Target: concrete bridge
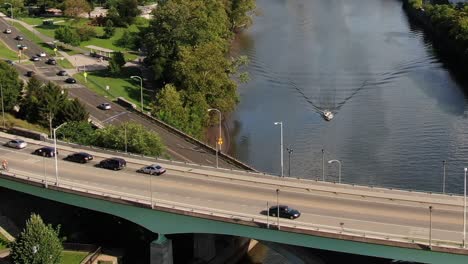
(202, 200)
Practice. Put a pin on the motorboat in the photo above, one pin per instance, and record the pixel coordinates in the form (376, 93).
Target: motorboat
(327, 115)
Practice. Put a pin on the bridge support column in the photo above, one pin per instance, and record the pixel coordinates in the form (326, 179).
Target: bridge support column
(204, 246)
(161, 251)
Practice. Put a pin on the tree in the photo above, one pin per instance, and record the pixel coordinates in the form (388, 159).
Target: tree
(139, 139)
(169, 107)
(74, 8)
(109, 29)
(29, 104)
(128, 11)
(11, 85)
(51, 103)
(72, 110)
(67, 35)
(37, 243)
(77, 132)
(116, 62)
(238, 13)
(85, 33)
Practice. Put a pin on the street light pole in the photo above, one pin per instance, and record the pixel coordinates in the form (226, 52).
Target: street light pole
(141, 89)
(443, 181)
(464, 209)
(55, 153)
(290, 150)
(11, 8)
(323, 165)
(339, 168)
(218, 142)
(277, 207)
(3, 108)
(281, 145)
(430, 227)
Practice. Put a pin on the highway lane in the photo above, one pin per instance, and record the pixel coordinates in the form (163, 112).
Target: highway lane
(177, 147)
(180, 185)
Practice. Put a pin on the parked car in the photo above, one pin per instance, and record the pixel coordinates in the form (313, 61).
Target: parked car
(45, 152)
(152, 169)
(70, 80)
(42, 54)
(80, 157)
(30, 73)
(35, 58)
(7, 31)
(17, 143)
(51, 61)
(284, 211)
(113, 164)
(19, 38)
(62, 73)
(104, 106)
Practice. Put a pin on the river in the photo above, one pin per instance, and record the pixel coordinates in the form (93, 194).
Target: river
(399, 109)
(399, 112)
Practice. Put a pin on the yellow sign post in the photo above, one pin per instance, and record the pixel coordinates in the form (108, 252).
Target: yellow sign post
(220, 141)
(85, 74)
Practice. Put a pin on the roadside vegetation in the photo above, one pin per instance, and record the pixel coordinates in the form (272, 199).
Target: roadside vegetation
(7, 53)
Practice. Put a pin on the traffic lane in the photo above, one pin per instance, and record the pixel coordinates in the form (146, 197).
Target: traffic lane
(217, 194)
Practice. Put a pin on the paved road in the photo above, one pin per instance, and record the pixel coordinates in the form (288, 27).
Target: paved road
(325, 205)
(178, 148)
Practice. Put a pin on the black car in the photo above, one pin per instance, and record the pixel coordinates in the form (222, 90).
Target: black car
(19, 38)
(62, 73)
(51, 61)
(113, 164)
(45, 152)
(35, 58)
(30, 73)
(80, 157)
(70, 80)
(284, 211)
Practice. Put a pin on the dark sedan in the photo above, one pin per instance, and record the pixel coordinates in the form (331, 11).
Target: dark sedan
(80, 157)
(284, 212)
(62, 73)
(45, 152)
(70, 80)
(113, 164)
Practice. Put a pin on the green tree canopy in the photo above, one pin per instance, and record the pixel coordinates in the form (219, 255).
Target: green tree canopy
(139, 139)
(67, 35)
(170, 108)
(37, 243)
(238, 11)
(116, 62)
(74, 8)
(78, 132)
(11, 85)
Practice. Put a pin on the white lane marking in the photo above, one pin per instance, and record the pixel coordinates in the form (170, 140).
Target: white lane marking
(114, 116)
(209, 161)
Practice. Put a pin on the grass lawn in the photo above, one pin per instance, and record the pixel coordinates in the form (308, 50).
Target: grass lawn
(73, 257)
(119, 86)
(6, 53)
(13, 121)
(3, 242)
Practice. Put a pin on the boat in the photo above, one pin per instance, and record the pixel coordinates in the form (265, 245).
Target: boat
(327, 115)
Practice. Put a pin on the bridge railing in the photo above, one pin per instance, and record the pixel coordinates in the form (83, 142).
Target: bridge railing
(259, 220)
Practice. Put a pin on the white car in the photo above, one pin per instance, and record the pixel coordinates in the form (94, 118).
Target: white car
(17, 143)
(7, 31)
(152, 169)
(104, 106)
(42, 54)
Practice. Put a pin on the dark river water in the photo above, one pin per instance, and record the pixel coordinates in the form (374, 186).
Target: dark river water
(399, 110)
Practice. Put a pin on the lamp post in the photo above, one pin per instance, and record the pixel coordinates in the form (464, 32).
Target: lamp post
(323, 165)
(220, 140)
(3, 108)
(55, 153)
(443, 181)
(430, 227)
(281, 145)
(277, 208)
(464, 209)
(339, 168)
(11, 8)
(290, 151)
(141, 89)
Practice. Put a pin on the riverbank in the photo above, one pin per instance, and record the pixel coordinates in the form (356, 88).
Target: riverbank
(446, 35)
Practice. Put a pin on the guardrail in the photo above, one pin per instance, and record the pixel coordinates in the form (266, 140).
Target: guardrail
(263, 221)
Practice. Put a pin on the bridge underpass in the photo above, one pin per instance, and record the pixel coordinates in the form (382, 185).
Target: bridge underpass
(376, 222)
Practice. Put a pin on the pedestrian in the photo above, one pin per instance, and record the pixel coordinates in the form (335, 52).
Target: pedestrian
(5, 165)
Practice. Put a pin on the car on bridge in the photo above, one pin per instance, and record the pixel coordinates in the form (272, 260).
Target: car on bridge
(284, 212)
(16, 143)
(113, 164)
(45, 152)
(152, 169)
(80, 157)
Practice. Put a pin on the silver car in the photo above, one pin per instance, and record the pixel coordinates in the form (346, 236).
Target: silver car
(17, 143)
(152, 169)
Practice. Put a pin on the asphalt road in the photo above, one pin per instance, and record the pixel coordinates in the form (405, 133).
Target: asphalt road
(343, 206)
(178, 148)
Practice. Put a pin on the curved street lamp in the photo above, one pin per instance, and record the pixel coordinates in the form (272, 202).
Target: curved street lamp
(339, 168)
(281, 145)
(55, 153)
(141, 89)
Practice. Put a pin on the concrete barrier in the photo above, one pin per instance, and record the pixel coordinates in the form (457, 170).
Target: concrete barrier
(27, 133)
(123, 102)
